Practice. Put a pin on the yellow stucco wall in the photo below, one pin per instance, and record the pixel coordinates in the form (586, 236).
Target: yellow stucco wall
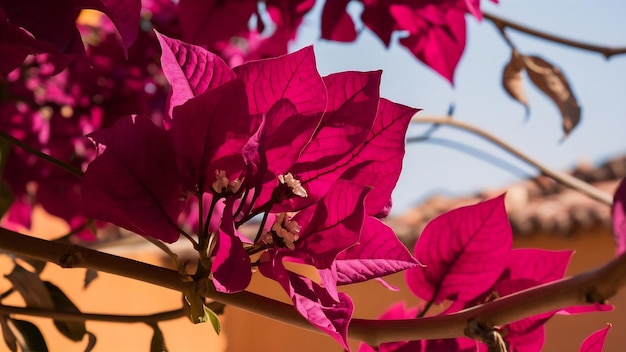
(243, 331)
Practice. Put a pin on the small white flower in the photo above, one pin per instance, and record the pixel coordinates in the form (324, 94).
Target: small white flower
(287, 230)
(221, 181)
(295, 185)
(223, 184)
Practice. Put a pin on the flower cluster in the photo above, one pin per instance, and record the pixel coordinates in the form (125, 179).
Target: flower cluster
(52, 113)
(103, 77)
(317, 156)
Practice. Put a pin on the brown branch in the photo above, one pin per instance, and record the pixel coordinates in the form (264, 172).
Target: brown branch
(76, 316)
(593, 286)
(502, 23)
(560, 177)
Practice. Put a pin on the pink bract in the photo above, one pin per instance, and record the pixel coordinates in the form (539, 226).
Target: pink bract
(465, 251)
(619, 217)
(595, 341)
(318, 156)
(26, 28)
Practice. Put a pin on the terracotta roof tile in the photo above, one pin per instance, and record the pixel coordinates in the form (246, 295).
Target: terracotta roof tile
(537, 205)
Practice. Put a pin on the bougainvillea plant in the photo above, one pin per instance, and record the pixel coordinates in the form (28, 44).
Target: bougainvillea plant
(187, 142)
(470, 261)
(270, 138)
(434, 31)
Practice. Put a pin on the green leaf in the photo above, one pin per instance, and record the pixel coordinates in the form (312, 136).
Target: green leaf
(90, 275)
(198, 312)
(31, 338)
(158, 341)
(194, 306)
(215, 321)
(73, 330)
(30, 286)
(7, 334)
(37, 265)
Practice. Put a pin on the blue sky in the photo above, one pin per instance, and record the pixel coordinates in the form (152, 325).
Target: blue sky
(434, 167)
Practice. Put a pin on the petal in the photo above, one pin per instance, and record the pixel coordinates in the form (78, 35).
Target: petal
(335, 224)
(231, 268)
(209, 134)
(619, 216)
(134, 183)
(378, 253)
(337, 25)
(190, 70)
(293, 77)
(464, 251)
(595, 341)
(375, 163)
(313, 302)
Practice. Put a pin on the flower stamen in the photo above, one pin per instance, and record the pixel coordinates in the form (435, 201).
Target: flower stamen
(222, 184)
(286, 229)
(294, 184)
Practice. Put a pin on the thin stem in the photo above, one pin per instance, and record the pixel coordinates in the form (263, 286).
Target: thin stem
(560, 177)
(503, 23)
(426, 309)
(261, 226)
(205, 239)
(201, 236)
(257, 248)
(502, 30)
(65, 238)
(188, 237)
(589, 287)
(181, 267)
(263, 208)
(242, 203)
(63, 165)
(205, 229)
(77, 316)
(6, 293)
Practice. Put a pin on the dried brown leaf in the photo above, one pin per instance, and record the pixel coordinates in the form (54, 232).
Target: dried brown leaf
(512, 79)
(553, 83)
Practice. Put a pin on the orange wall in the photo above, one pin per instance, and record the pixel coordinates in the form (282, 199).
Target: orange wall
(243, 331)
(564, 333)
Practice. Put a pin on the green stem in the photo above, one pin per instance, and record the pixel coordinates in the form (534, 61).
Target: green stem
(561, 177)
(205, 238)
(201, 235)
(257, 248)
(61, 164)
(66, 238)
(244, 197)
(205, 229)
(263, 208)
(426, 309)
